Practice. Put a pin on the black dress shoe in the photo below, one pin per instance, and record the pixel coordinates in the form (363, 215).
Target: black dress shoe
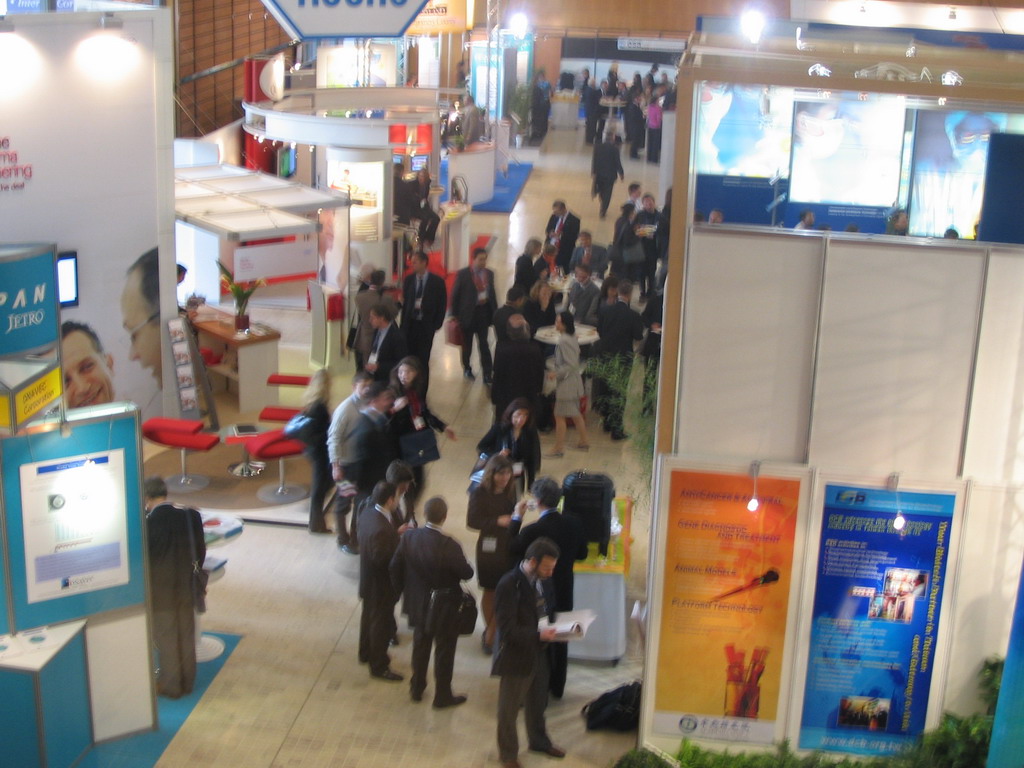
(551, 751)
(350, 549)
(387, 674)
(416, 695)
(454, 701)
(488, 380)
(469, 374)
(619, 436)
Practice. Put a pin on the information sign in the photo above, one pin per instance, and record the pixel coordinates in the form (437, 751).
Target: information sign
(313, 19)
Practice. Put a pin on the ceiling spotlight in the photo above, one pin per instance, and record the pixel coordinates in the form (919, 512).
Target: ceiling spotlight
(755, 470)
(819, 70)
(941, 101)
(752, 25)
(518, 25)
(911, 51)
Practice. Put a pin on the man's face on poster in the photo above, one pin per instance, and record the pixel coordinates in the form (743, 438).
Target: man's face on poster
(88, 373)
(141, 323)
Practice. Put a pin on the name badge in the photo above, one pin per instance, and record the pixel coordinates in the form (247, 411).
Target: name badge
(372, 359)
(418, 304)
(517, 468)
(418, 422)
(489, 544)
(481, 296)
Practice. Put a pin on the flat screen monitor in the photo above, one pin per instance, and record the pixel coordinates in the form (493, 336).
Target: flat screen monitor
(419, 162)
(67, 278)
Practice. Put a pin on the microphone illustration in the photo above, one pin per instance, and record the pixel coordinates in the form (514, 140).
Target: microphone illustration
(768, 577)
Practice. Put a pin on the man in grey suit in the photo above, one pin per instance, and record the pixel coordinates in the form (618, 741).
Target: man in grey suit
(428, 560)
(594, 256)
(584, 297)
(522, 598)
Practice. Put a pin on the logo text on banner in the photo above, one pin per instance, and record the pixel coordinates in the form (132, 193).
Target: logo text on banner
(311, 19)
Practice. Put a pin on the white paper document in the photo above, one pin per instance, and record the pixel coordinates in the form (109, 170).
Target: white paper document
(569, 625)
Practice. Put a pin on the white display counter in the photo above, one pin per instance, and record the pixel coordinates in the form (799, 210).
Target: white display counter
(476, 165)
(454, 232)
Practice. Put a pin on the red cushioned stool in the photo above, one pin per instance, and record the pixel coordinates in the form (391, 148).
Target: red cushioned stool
(278, 413)
(274, 445)
(185, 435)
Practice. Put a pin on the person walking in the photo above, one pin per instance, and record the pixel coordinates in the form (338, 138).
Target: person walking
(565, 367)
(314, 401)
(424, 302)
(605, 166)
(428, 561)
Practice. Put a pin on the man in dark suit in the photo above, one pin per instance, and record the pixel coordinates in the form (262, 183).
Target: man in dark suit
(605, 166)
(522, 598)
(518, 368)
(618, 326)
(567, 533)
(388, 345)
(594, 256)
(514, 300)
(562, 230)
(378, 541)
(424, 302)
(374, 448)
(473, 304)
(426, 560)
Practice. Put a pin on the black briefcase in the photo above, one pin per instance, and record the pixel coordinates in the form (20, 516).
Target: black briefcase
(451, 609)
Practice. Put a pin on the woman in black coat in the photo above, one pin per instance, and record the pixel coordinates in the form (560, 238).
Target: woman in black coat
(411, 414)
(515, 437)
(315, 407)
(490, 512)
(625, 238)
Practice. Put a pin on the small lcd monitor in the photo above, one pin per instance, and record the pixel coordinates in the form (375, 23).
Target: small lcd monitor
(419, 162)
(398, 159)
(67, 278)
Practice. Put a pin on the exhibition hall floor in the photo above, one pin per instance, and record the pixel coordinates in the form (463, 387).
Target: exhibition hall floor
(293, 693)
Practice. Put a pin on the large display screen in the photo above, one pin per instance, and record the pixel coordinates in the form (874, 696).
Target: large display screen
(847, 151)
(744, 130)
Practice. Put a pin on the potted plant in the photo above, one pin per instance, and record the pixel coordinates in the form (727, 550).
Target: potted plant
(242, 292)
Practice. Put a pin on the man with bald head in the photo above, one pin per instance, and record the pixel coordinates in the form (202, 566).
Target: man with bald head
(518, 367)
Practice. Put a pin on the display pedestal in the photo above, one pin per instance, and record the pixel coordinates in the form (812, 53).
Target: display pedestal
(476, 165)
(454, 234)
(44, 701)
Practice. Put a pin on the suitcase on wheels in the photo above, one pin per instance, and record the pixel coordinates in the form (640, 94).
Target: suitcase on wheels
(589, 497)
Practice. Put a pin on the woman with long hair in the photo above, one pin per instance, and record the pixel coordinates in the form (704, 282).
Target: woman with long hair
(411, 414)
(569, 388)
(539, 309)
(314, 405)
(490, 512)
(515, 437)
(626, 238)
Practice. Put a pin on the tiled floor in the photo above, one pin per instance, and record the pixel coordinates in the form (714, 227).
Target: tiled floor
(293, 693)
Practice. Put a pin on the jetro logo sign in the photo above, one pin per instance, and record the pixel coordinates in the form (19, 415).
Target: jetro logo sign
(312, 19)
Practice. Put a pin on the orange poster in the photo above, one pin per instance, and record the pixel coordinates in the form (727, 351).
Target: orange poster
(727, 578)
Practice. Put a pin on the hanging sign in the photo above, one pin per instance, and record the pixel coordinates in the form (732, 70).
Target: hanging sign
(313, 19)
(28, 300)
(441, 16)
(876, 618)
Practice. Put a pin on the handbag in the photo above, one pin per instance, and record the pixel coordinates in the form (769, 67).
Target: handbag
(453, 332)
(300, 427)
(451, 608)
(419, 447)
(550, 383)
(634, 254)
(200, 576)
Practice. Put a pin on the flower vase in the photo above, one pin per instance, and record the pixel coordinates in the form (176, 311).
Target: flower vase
(242, 323)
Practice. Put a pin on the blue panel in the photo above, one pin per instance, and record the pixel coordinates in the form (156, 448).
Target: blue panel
(67, 723)
(1001, 221)
(120, 432)
(28, 314)
(18, 715)
(742, 200)
(1008, 729)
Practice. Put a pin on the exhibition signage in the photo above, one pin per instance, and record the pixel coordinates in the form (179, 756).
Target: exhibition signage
(312, 19)
(441, 16)
(875, 618)
(727, 578)
(28, 300)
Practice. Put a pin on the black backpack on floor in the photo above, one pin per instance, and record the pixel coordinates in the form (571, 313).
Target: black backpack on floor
(614, 710)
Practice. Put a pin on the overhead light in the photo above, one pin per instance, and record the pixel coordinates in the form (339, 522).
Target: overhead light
(752, 24)
(819, 70)
(951, 78)
(911, 51)
(942, 101)
(755, 470)
(518, 25)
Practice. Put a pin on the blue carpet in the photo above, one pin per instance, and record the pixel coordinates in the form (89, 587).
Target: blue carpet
(506, 188)
(145, 749)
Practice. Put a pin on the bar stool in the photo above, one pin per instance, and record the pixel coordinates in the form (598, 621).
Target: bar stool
(185, 435)
(274, 445)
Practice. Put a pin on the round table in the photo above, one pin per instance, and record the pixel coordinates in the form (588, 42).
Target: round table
(585, 334)
(242, 433)
(218, 529)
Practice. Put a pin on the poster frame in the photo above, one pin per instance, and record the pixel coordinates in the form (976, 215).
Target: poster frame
(811, 553)
(665, 464)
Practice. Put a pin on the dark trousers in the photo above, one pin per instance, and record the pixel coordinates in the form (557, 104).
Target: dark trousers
(420, 339)
(174, 634)
(616, 405)
(530, 693)
(590, 128)
(604, 186)
(558, 668)
(479, 330)
(320, 485)
(650, 268)
(444, 662)
(653, 145)
(376, 628)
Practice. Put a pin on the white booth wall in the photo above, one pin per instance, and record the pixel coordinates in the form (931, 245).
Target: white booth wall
(869, 356)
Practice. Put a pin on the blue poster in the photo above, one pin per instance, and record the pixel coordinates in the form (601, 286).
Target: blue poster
(881, 571)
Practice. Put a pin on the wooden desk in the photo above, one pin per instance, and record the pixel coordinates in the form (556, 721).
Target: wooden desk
(249, 358)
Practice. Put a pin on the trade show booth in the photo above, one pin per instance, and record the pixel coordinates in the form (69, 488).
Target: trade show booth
(838, 521)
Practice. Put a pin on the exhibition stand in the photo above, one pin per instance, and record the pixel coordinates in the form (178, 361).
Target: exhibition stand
(475, 164)
(247, 358)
